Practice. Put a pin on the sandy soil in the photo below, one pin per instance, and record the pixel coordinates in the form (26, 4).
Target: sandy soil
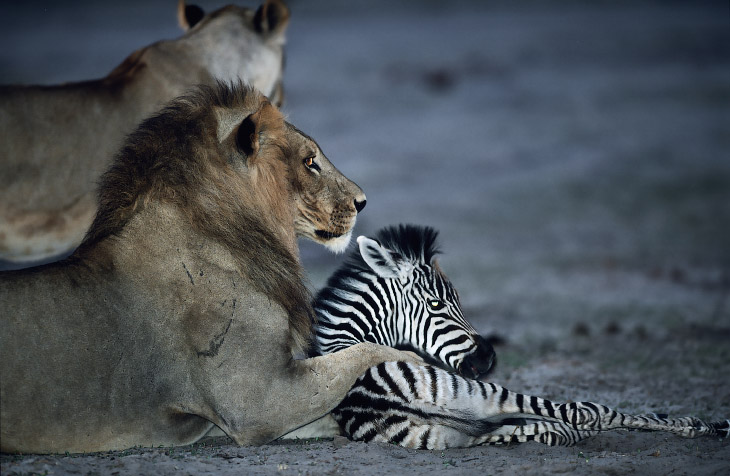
(575, 159)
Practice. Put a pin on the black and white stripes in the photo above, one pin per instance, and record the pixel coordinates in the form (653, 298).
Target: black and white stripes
(392, 292)
(420, 406)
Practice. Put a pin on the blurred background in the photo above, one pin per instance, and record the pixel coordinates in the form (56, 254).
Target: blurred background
(575, 156)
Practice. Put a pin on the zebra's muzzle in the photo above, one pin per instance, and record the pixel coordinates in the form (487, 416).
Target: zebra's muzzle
(480, 362)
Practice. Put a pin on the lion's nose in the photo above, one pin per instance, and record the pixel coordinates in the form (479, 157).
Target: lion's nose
(359, 205)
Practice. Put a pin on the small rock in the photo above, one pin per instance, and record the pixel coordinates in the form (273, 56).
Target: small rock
(581, 329)
(677, 275)
(340, 441)
(641, 332)
(612, 328)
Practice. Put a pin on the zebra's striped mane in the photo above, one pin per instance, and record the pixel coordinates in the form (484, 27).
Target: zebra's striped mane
(417, 244)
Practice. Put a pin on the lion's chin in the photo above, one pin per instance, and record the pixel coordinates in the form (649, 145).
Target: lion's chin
(336, 244)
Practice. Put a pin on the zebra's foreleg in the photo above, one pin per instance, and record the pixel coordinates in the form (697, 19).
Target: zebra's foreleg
(686, 427)
(593, 417)
(551, 433)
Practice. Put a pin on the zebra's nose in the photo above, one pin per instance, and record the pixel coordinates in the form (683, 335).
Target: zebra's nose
(481, 361)
(359, 205)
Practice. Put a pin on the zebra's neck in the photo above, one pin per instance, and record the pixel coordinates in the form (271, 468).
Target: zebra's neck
(361, 308)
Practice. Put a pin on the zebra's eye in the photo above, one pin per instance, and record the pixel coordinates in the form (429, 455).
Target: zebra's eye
(436, 304)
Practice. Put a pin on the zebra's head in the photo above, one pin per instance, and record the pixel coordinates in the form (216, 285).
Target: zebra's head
(391, 291)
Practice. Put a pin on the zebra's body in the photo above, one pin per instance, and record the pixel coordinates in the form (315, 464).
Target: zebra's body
(421, 406)
(385, 295)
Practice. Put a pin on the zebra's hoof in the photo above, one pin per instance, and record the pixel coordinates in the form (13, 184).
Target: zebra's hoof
(722, 428)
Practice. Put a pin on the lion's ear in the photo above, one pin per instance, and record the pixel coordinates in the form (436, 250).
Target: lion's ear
(271, 19)
(188, 15)
(265, 123)
(247, 136)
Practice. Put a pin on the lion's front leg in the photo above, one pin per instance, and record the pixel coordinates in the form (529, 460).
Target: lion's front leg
(304, 392)
(325, 380)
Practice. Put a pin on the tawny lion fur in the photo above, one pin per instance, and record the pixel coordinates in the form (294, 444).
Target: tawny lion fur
(58, 140)
(184, 305)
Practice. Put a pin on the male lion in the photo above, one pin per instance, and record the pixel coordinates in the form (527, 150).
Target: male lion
(184, 304)
(57, 140)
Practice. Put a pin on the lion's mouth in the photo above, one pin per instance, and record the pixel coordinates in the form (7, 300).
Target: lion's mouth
(335, 242)
(327, 235)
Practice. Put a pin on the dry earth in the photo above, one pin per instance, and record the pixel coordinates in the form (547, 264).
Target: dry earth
(573, 155)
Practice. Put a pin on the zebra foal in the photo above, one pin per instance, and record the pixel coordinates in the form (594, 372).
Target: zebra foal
(392, 293)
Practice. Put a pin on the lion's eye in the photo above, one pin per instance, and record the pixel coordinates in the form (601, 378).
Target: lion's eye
(309, 162)
(436, 304)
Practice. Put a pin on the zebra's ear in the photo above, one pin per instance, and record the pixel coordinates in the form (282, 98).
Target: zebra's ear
(386, 263)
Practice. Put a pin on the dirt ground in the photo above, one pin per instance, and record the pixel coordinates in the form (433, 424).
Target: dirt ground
(574, 157)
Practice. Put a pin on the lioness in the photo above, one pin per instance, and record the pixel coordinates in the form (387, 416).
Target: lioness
(57, 140)
(184, 304)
